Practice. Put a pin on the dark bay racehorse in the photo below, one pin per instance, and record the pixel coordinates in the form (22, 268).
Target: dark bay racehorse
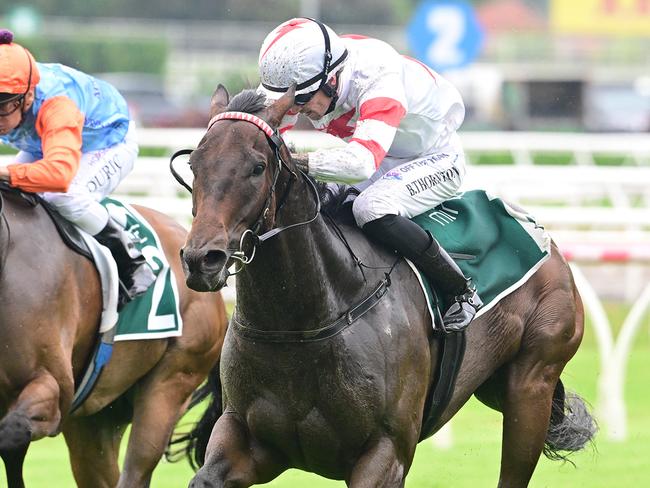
(51, 305)
(347, 402)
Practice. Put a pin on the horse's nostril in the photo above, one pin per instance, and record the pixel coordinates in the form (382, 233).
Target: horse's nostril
(182, 252)
(213, 259)
(201, 261)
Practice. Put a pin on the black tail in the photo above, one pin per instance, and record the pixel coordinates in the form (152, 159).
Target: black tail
(571, 426)
(192, 444)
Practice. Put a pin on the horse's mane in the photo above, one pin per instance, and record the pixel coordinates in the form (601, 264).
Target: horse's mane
(249, 101)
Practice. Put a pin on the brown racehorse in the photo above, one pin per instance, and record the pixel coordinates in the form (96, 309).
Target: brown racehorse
(51, 305)
(307, 386)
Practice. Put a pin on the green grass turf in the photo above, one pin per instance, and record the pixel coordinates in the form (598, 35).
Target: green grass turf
(473, 461)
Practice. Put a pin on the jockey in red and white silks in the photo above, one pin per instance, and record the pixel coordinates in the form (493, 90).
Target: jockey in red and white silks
(399, 120)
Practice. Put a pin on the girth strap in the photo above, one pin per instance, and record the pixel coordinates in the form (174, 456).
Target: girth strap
(99, 359)
(450, 358)
(301, 336)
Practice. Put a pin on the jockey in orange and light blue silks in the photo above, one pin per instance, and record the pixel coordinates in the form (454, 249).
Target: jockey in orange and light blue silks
(75, 143)
(398, 118)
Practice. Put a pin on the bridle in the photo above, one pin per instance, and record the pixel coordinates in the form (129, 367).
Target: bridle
(277, 144)
(246, 331)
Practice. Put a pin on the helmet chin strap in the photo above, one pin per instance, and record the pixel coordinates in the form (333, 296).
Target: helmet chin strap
(332, 106)
(23, 110)
(332, 92)
(29, 86)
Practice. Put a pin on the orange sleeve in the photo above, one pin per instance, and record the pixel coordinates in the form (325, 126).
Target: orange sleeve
(59, 124)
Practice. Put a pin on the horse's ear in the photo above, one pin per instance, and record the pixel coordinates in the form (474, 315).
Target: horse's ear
(219, 100)
(278, 110)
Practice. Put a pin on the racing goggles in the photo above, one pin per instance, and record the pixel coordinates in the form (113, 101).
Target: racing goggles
(303, 98)
(327, 89)
(10, 104)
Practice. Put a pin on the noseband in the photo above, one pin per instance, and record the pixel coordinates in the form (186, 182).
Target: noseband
(276, 142)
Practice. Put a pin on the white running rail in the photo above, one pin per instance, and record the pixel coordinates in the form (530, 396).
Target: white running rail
(521, 146)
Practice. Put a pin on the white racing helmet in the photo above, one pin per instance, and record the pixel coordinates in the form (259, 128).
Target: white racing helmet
(302, 51)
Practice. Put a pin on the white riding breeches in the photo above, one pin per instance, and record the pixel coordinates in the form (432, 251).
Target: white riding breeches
(99, 174)
(412, 187)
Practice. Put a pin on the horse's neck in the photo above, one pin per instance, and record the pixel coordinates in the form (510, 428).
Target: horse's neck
(304, 276)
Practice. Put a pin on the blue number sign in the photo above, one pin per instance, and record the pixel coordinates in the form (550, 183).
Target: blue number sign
(445, 34)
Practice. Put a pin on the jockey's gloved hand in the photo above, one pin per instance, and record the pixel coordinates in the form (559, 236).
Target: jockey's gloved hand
(301, 160)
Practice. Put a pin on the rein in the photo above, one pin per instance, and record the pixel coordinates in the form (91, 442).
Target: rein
(30, 199)
(277, 143)
(292, 336)
(284, 336)
(3, 218)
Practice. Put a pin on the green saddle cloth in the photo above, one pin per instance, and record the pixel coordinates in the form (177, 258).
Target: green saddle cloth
(154, 314)
(496, 245)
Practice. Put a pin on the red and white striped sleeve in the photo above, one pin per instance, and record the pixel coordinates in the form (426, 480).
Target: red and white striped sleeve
(382, 106)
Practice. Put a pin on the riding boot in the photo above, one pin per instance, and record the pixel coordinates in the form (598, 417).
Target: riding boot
(460, 299)
(134, 272)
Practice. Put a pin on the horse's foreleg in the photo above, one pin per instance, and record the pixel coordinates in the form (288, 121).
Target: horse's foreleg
(94, 443)
(379, 467)
(233, 459)
(35, 414)
(14, 466)
(526, 413)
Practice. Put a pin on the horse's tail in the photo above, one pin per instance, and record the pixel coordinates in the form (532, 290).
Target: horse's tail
(571, 426)
(193, 444)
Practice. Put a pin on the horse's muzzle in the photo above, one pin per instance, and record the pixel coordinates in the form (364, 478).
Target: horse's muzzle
(205, 269)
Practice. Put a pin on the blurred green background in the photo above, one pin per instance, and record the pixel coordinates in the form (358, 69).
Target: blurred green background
(555, 65)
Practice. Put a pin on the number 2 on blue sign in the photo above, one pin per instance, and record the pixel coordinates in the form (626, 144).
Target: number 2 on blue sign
(449, 24)
(445, 34)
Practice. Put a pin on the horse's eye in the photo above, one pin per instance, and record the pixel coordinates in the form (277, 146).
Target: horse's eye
(259, 169)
